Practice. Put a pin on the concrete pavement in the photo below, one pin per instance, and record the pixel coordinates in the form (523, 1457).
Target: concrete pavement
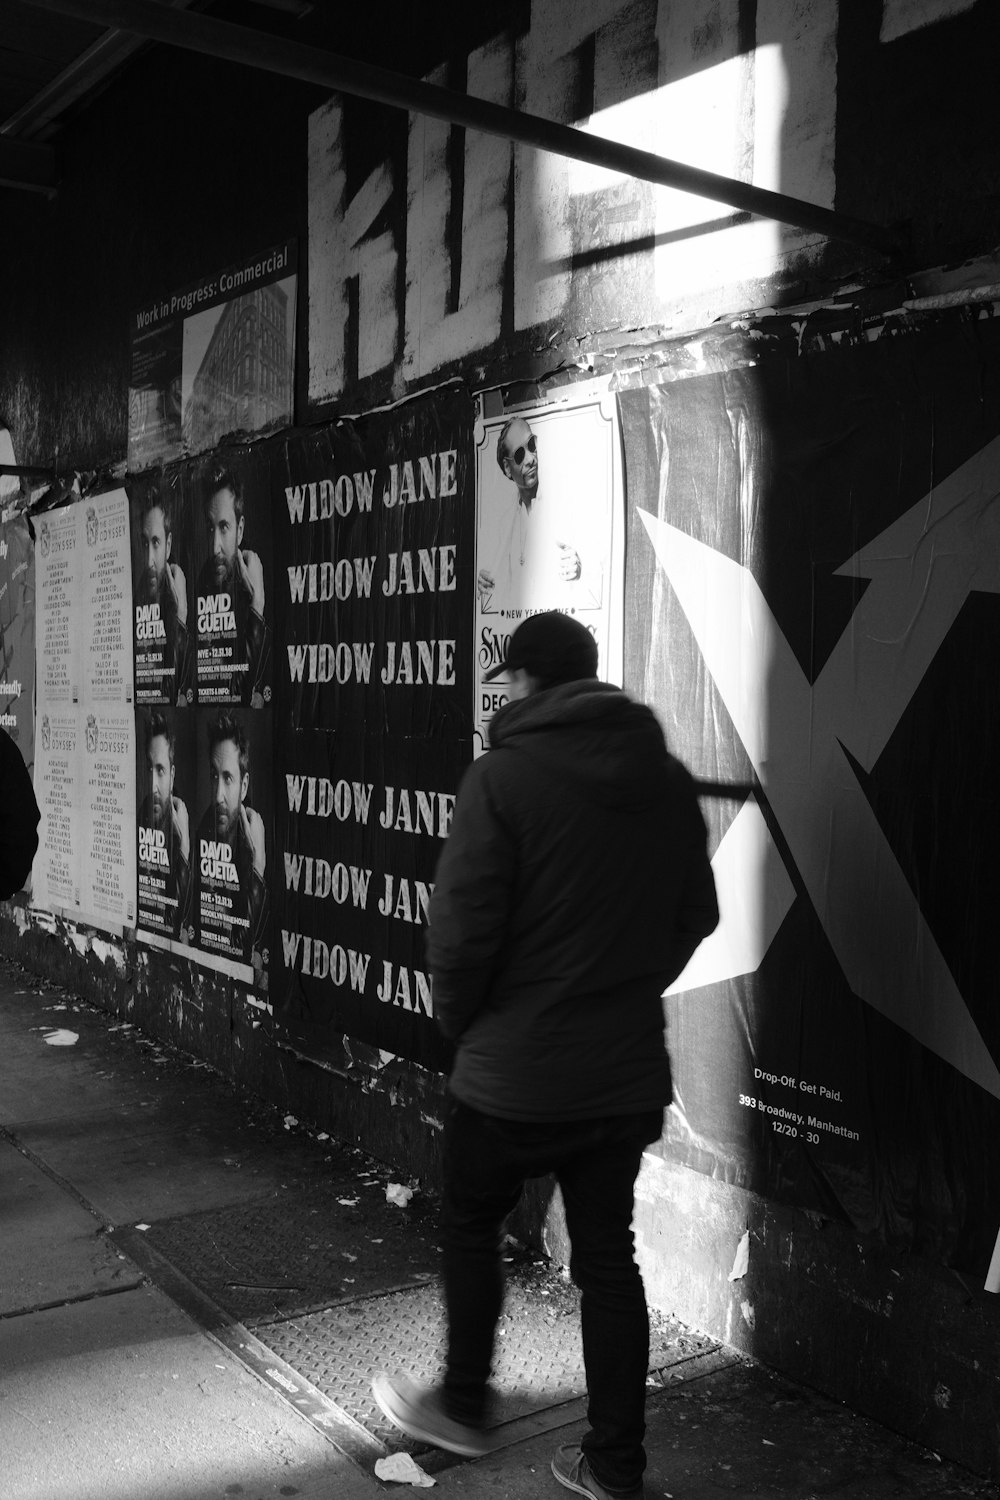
(128, 1372)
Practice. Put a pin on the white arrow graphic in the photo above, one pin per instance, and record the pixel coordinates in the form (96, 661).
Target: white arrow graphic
(922, 569)
(755, 896)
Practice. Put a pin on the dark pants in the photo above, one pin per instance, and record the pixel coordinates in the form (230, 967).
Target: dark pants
(486, 1162)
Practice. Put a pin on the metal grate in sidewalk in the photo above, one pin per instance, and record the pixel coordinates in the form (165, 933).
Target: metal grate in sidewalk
(319, 1290)
(538, 1366)
(299, 1253)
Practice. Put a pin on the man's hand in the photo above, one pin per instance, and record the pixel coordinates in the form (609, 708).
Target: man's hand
(177, 584)
(569, 563)
(253, 828)
(485, 582)
(251, 571)
(181, 825)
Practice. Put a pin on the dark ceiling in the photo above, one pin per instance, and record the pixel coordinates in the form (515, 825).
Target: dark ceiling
(53, 65)
(54, 59)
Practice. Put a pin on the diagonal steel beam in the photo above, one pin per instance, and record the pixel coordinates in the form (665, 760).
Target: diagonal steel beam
(78, 79)
(241, 44)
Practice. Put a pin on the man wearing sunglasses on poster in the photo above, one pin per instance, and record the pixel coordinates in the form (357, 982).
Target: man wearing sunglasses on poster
(534, 557)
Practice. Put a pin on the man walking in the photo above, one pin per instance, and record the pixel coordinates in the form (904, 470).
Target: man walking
(573, 889)
(19, 826)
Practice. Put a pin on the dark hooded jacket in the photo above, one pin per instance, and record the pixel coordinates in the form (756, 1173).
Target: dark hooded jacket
(573, 888)
(19, 828)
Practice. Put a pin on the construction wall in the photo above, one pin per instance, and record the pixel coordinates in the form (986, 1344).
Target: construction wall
(790, 463)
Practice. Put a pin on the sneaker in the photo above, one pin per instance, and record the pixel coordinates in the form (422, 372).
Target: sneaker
(419, 1412)
(571, 1468)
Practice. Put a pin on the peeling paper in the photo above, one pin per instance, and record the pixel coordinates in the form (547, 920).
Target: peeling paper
(62, 1038)
(398, 1194)
(401, 1469)
(742, 1262)
(109, 953)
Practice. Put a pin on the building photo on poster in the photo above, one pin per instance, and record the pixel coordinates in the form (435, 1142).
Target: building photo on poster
(549, 532)
(213, 359)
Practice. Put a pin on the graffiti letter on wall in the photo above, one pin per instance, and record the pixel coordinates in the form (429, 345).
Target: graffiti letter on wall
(594, 65)
(454, 292)
(343, 248)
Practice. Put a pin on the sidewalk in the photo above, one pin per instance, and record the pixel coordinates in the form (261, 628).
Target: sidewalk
(196, 1293)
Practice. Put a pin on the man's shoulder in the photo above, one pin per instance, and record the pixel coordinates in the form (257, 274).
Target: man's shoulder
(11, 759)
(678, 777)
(477, 775)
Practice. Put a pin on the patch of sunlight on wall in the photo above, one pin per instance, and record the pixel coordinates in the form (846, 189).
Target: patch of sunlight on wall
(755, 894)
(728, 119)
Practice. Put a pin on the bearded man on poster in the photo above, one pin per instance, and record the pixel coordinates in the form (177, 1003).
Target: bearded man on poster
(160, 583)
(573, 889)
(231, 835)
(163, 812)
(237, 571)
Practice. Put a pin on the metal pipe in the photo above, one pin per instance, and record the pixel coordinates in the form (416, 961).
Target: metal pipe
(80, 75)
(962, 297)
(241, 44)
(28, 471)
